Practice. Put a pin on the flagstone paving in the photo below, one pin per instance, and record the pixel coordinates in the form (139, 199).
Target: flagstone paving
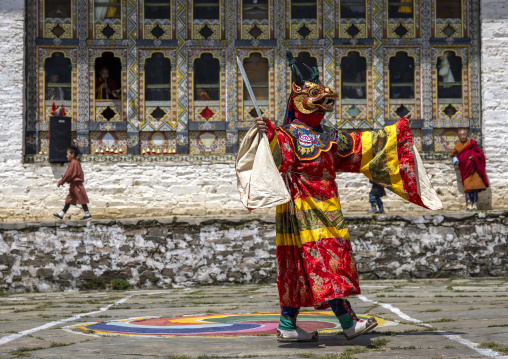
(431, 319)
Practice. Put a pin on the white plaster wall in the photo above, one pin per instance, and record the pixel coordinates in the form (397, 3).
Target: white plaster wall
(494, 28)
(28, 192)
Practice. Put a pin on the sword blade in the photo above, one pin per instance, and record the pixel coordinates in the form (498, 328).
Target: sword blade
(247, 85)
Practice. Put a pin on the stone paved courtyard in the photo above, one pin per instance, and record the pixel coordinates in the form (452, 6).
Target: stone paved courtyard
(439, 318)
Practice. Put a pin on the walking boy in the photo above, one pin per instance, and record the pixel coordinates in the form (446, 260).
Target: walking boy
(75, 177)
(375, 195)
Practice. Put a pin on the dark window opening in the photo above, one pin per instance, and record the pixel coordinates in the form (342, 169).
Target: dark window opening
(256, 68)
(402, 76)
(206, 9)
(449, 69)
(448, 9)
(108, 77)
(303, 9)
(353, 76)
(351, 9)
(60, 9)
(255, 9)
(158, 9)
(400, 9)
(158, 78)
(58, 70)
(206, 78)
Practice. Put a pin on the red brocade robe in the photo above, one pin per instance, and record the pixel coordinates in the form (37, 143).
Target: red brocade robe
(315, 262)
(74, 177)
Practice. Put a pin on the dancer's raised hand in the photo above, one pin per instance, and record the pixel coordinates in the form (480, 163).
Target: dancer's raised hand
(261, 124)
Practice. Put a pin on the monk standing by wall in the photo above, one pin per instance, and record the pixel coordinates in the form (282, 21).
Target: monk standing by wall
(471, 162)
(74, 177)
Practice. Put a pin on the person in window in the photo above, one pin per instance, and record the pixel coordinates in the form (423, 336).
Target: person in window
(448, 89)
(105, 87)
(54, 93)
(471, 163)
(355, 92)
(203, 95)
(359, 92)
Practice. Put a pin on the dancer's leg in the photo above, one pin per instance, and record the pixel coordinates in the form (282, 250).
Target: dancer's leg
(289, 331)
(351, 324)
(287, 319)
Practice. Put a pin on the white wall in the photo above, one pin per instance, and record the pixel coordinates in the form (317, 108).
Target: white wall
(28, 192)
(494, 28)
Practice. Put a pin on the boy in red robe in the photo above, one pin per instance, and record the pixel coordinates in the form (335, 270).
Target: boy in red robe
(315, 262)
(75, 177)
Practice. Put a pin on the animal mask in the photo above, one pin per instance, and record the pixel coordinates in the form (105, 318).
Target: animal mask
(308, 95)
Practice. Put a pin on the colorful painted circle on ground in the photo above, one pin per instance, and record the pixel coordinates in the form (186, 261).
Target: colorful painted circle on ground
(215, 325)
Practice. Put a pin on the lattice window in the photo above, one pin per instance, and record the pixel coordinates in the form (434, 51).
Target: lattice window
(353, 19)
(304, 19)
(157, 16)
(206, 16)
(401, 19)
(402, 84)
(449, 19)
(57, 19)
(58, 80)
(107, 15)
(257, 70)
(354, 87)
(255, 19)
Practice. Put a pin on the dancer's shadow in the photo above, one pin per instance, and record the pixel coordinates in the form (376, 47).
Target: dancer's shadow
(365, 340)
(338, 340)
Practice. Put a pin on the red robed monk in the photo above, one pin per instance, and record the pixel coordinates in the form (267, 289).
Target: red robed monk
(315, 262)
(74, 176)
(471, 161)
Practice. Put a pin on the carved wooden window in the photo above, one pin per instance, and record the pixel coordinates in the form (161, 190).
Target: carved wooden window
(255, 19)
(206, 78)
(108, 19)
(449, 19)
(353, 19)
(401, 19)
(57, 19)
(450, 92)
(157, 19)
(353, 87)
(157, 78)
(58, 80)
(304, 19)
(108, 88)
(402, 84)
(257, 70)
(206, 19)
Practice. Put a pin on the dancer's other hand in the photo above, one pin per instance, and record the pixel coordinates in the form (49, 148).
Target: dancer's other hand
(261, 124)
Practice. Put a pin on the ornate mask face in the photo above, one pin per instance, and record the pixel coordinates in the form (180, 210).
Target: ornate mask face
(312, 98)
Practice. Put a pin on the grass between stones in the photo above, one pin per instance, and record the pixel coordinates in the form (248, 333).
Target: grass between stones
(24, 352)
(498, 347)
(497, 325)
(378, 343)
(441, 320)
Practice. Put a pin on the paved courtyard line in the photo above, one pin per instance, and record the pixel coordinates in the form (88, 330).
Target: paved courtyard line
(9, 338)
(472, 345)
